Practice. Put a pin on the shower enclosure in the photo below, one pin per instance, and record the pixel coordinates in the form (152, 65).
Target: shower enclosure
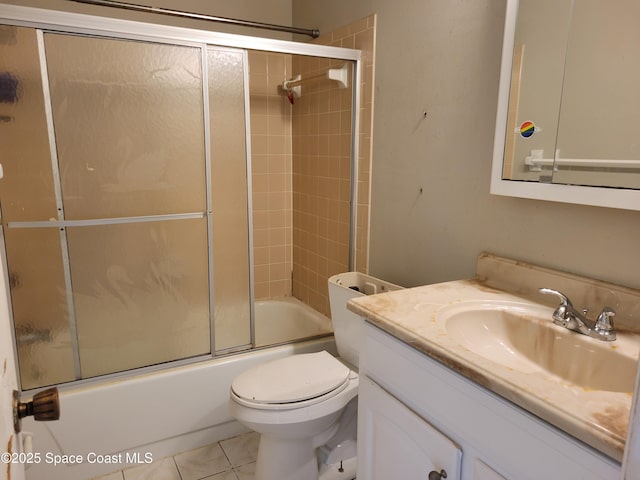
(158, 186)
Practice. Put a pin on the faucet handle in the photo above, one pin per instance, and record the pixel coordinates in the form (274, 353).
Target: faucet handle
(564, 300)
(562, 314)
(604, 324)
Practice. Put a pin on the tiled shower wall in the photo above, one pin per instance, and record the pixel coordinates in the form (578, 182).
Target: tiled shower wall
(301, 170)
(271, 167)
(321, 181)
(321, 169)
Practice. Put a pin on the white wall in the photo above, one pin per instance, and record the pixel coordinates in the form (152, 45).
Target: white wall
(442, 56)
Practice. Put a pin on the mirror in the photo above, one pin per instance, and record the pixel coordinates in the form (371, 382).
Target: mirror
(568, 111)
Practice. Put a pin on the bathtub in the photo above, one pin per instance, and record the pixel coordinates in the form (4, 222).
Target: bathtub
(153, 415)
(282, 319)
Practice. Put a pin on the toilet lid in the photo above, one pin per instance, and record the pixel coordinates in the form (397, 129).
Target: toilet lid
(291, 379)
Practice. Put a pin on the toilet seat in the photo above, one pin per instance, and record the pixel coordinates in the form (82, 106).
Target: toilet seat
(291, 382)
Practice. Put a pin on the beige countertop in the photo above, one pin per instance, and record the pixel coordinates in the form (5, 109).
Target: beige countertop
(598, 418)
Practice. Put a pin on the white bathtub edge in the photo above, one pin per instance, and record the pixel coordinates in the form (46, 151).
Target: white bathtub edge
(162, 414)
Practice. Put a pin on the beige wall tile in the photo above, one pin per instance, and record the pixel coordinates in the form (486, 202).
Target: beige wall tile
(302, 171)
(271, 148)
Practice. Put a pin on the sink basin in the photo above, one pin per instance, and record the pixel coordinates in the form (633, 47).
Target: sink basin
(522, 337)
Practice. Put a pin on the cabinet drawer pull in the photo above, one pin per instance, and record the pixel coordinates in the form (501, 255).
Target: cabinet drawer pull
(433, 475)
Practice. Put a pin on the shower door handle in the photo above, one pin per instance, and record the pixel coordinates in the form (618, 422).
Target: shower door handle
(45, 406)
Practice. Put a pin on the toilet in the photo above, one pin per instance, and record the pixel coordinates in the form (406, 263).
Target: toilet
(305, 406)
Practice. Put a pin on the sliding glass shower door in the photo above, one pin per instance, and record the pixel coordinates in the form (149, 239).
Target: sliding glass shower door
(126, 171)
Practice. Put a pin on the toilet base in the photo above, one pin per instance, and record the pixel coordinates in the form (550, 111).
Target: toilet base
(286, 459)
(345, 470)
(297, 460)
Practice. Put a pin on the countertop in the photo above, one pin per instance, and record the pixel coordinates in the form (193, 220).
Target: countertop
(598, 418)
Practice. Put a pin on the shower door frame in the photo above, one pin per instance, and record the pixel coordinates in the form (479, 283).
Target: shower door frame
(95, 26)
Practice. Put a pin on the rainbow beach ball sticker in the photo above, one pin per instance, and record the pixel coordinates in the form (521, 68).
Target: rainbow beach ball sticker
(527, 129)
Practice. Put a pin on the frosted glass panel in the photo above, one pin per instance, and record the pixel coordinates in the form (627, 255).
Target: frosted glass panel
(39, 303)
(128, 118)
(229, 198)
(26, 191)
(141, 293)
(127, 130)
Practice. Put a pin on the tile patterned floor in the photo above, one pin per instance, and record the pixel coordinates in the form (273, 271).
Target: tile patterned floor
(231, 459)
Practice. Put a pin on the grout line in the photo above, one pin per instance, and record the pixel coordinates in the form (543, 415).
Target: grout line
(227, 456)
(233, 468)
(173, 458)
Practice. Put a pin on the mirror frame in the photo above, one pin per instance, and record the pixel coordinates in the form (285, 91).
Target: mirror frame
(627, 199)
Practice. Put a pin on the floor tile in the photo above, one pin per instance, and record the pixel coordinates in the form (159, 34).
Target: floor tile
(231, 459)
(223, 476)
(246, 472)
(162, 469)
(202, 462)
(242, 449)
(111, 476)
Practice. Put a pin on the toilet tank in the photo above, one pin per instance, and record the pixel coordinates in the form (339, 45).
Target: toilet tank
(347, 326)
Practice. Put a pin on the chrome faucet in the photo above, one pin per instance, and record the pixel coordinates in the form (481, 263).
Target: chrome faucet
(567, 316)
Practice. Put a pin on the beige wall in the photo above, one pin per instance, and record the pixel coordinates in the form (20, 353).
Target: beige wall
(442, 56)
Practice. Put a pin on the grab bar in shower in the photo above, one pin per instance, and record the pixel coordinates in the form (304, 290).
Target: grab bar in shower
(340, 75)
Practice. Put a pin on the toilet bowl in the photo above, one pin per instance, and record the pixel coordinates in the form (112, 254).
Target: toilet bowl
(304, 406)
(294, 403)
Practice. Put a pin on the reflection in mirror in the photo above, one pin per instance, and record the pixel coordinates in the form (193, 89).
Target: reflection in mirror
(600, 111)
(536, 85)
(573, 100)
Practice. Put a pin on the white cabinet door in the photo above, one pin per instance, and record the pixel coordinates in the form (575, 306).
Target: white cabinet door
(395, 443)
(8, 383)
(481, 471)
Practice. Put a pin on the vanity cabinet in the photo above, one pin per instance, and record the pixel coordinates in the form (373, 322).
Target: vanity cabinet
(417, 416)
(398, 443)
